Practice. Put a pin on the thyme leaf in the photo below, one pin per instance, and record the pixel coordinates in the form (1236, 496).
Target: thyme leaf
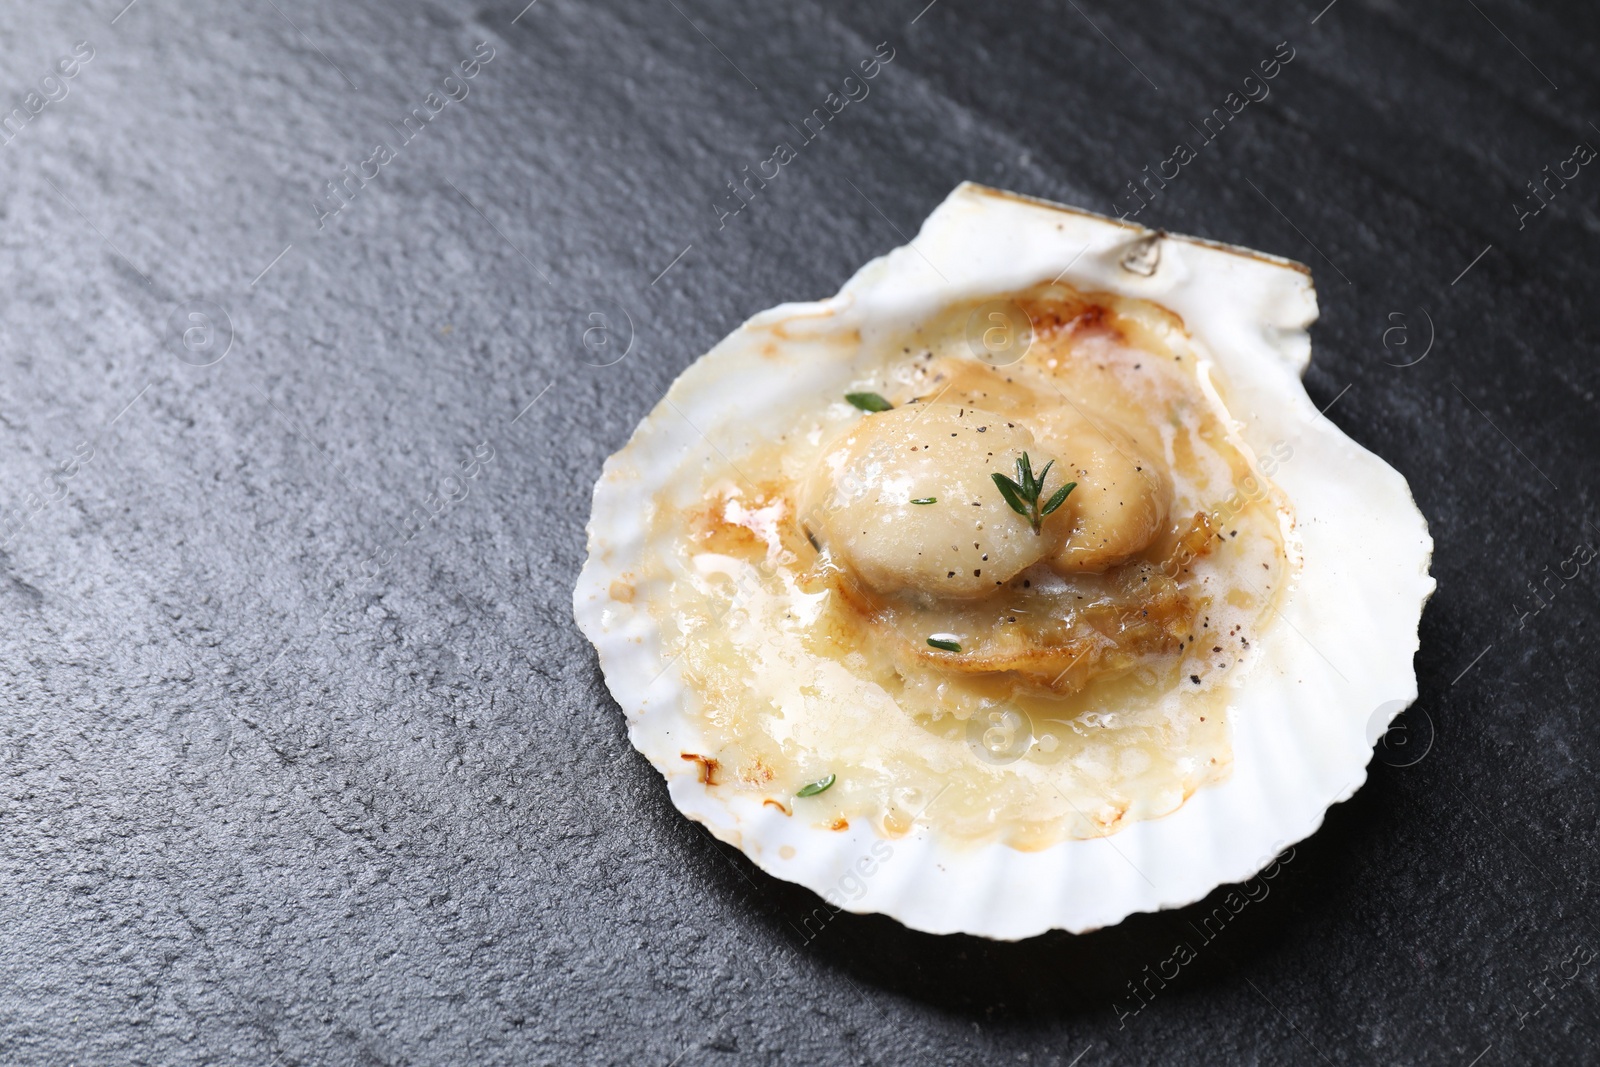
(815, 787)
(868, 401)
(1012, 492)
(1059, 499)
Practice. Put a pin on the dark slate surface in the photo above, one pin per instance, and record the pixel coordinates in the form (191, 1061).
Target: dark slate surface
(303, 759)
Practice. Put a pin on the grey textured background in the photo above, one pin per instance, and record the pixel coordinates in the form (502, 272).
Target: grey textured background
(302, 759)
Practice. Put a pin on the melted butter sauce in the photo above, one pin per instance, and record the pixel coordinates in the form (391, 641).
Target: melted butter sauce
(795, 679)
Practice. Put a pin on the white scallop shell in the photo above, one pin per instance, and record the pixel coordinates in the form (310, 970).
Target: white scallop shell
(1333, 668)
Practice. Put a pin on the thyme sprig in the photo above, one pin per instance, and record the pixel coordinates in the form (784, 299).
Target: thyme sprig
(1023, 493)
